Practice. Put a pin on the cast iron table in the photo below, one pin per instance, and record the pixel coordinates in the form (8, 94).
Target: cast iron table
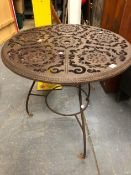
(70, 55)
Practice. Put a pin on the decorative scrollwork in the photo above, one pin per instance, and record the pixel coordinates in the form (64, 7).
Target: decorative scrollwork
(63, 50)
(78, 69)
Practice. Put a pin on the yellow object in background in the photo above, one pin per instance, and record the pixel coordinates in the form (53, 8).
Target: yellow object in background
(42, 12)
(42, 17)
(47, 86)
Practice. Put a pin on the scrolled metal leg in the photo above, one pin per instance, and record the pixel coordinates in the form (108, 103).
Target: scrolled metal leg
(80, 121)
(89, 91)
(27, 100)
(83, 155)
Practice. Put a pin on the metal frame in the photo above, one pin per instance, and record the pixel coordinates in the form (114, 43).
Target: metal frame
(81, 121)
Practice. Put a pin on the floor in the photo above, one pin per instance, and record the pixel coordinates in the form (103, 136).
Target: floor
(28, 23)
(48, 144)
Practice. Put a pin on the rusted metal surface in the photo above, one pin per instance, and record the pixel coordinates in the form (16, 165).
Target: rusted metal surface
(67, 54)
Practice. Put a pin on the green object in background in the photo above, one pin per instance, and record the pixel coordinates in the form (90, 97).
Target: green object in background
(19, 20)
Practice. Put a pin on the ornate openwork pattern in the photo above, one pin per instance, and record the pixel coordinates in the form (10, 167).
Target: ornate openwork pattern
(67, 54)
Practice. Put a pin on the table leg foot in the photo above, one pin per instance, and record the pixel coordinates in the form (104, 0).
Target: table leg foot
(81, 156)
(30, 115)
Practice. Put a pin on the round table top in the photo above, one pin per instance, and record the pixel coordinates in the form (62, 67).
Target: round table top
(67, 54)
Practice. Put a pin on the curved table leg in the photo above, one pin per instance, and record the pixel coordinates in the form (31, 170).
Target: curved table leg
(83, 155)
(81, 121)
(27, 100)
(82, 108)
(89, 91)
